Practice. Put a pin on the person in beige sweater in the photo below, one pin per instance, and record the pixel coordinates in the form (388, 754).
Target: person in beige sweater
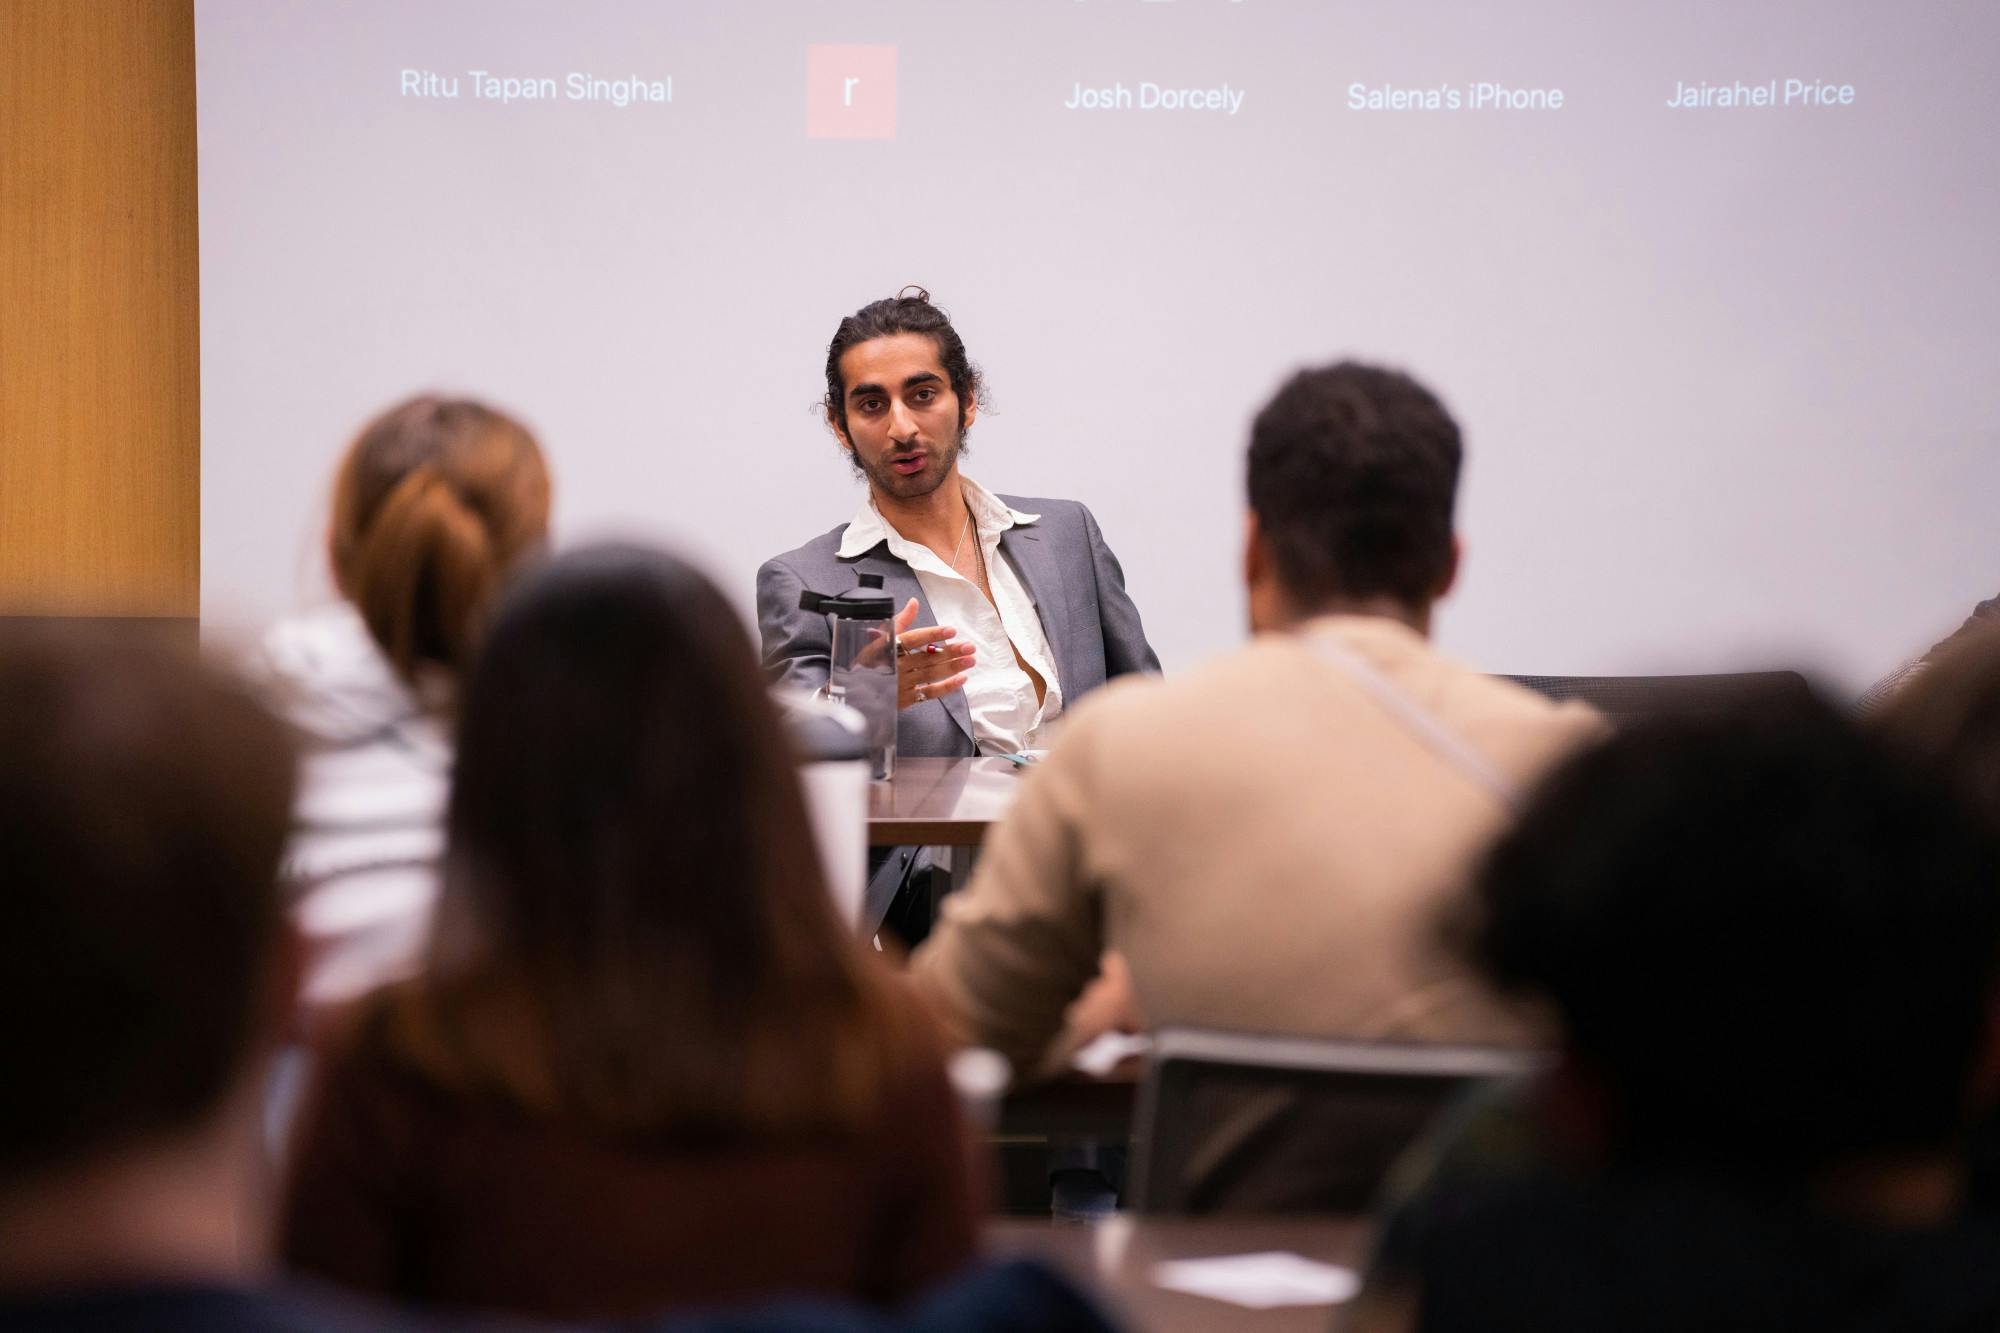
(1269, 842)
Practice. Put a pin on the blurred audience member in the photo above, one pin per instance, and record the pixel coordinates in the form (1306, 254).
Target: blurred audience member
(146, 972)
(1950, 717)
(1267, 839)
(1984, 620)
(645, 1064)
(434, 503)
(1771, 945)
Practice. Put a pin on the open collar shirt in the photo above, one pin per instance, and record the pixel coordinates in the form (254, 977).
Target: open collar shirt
(999, 694)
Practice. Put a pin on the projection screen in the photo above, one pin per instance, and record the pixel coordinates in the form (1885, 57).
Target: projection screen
(1711, 286)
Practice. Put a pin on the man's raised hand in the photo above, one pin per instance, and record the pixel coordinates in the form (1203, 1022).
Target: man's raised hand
(928, 664)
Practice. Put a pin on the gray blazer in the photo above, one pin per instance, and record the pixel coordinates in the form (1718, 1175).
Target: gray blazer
(1078, 589)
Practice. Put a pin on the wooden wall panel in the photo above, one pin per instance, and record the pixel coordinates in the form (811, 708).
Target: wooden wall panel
(100, 419)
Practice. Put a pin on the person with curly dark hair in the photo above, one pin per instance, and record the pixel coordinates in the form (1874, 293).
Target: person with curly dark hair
(1771, 943)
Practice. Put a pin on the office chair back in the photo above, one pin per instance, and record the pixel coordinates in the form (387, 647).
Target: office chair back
(1229, 1123)
(1629, 698)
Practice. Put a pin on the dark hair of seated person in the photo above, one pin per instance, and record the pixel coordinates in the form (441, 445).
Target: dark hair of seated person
(908, 311)
(144, 803)
(1353, 476)
(1770, 940)
(635, 938)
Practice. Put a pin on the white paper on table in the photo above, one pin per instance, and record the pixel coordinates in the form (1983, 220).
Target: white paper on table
(1260, 1281)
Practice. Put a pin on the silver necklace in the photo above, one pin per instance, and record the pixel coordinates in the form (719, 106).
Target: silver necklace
(959, 549)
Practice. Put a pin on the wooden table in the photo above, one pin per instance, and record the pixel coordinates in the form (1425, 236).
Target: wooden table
(941, 802)
(1114, 1259)
(946, 805)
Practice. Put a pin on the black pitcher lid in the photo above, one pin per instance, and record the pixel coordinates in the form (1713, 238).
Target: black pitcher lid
(864, 601)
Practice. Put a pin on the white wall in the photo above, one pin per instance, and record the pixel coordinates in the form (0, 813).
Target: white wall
(1726, 374)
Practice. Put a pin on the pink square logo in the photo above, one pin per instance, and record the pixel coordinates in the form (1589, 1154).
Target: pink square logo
(850, 92)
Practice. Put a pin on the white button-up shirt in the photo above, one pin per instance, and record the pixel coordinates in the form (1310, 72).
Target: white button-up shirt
(1000, 696)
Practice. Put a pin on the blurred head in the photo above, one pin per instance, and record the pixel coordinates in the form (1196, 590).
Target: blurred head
(144, 802)
(1768, 939)
(434, 503)
(901, 393)
(630, 861)
(1353, 472)
(1949, 716)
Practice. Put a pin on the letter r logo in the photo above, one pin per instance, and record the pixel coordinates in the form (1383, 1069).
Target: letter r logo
(850, 92)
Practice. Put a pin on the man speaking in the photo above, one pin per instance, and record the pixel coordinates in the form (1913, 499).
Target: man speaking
(1012, 608)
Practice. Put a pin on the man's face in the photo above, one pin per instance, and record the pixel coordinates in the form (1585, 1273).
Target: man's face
(903, 422)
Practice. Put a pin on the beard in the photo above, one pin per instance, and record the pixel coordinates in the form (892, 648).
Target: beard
(943, 457)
